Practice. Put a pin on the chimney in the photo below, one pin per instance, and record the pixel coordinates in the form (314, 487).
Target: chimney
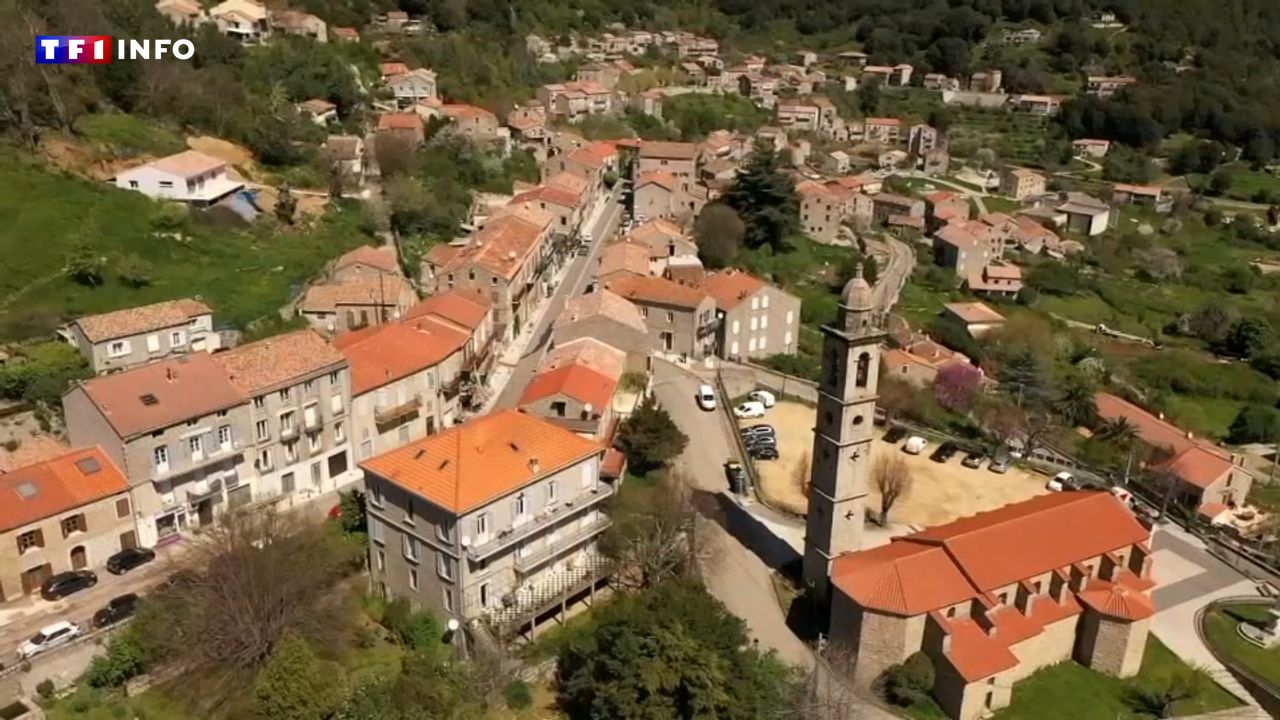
(533, 465)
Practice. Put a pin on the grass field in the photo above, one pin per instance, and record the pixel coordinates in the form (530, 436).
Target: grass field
(244, 273)
(1246, 183)
(1202, 415)
(1221, 630)
(128, 136)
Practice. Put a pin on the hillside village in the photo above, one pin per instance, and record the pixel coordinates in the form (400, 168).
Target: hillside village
(516, 350)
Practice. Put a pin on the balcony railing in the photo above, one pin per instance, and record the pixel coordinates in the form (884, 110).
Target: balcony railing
(707, 328)
(385, 415)
(289, 433)
(566, 508)
(194, 462)
(204, 488)
(539, 556)
(526, 603)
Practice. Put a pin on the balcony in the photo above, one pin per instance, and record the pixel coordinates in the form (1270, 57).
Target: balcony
(549, 550)
(707, 328)
(194, 462)
(289, 432)
(204, 489)
(451, 389)
(392, 413)
(566, 508)
(527, 602)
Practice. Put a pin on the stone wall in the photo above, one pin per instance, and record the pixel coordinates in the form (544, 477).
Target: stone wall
(885, 640)
(1053, 645)
(1118, 646)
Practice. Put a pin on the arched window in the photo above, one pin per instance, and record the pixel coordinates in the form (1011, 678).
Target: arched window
(864, 369)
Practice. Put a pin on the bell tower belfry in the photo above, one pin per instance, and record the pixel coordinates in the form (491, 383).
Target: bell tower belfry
(841, 464)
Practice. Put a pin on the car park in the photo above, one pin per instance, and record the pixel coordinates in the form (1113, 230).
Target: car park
(49, 637)
(1062, 481)
(915, 445)
(737, 477)
(1000, 463)
(706, 397)
(944, 452)
(750, 409)
(757, 430)
(895, 434)
(974, 459)
(128, 559)
(764, 397)
(116, 610)
(66, 583)
(763, 452)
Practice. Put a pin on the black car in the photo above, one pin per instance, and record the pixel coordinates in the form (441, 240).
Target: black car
(757, 430)
(116, 610)
(944, 452)
(974, 459)
(760, 441)
(128, 559)
(737, 477)
(763, 452)
(895, 434)
(66, 583)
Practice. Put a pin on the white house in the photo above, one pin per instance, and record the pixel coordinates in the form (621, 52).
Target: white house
(413, 86)
(190, 177)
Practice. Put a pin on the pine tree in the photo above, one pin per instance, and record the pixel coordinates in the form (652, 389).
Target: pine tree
(766, 200)
(650, 438)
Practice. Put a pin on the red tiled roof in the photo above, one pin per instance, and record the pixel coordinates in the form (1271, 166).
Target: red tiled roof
(973, 653)
(278, 361)
(400, 121)
(471, 465)
(386, 353)
(620, 257)
(392, 68)
(614, 464)
(659, 291)
(1195, 460)
(466, 308)
(606, 304)
(1116, 600)
(35, 492)
(730, 287)
(974, 312)
(162, 394)
(668, 150)
(139, 320)
(582, 383)
(383, 258)
(657, 177)
(587, 352)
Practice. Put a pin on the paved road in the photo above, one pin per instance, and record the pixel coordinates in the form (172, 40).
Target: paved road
(576, 280)
(894, 273)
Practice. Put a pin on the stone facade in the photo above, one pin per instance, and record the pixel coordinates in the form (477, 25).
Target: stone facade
(1111, 646)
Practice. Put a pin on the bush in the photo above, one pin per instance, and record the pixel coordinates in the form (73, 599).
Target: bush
(122, 662)
(801, 366)
(909, 683)
(517, 695)
(45, 688)
(415, 629)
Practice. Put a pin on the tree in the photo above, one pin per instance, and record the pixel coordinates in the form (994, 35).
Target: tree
(1238, 278)
(766, 201)
(85, 264)
(1118, 431)
(134, 271)
(352, 512)
(294, 684)
(949, 56)
(1220, 182)
(1255, 424)
(719, 232)
(1212, 321)
(286, 205)
(956, 384)
(122, 662)
(1024, 377)
(1158, 264)
(654, 538)
(1158, 697)
(1076, 403)
(910, 682)
(1248, 337)
(869, 95)
(893, 481)
(650, 438)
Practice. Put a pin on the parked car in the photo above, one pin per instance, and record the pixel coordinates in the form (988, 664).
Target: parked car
(706, 397)
(761, 444)
(763, 452)
(974, 459)
(944, 452)
(1000, 463)
(764, 397)
(584, 250)
(49, 637)
(128, 559)
(750, 409)
(755, 430)
(895, 434)
(66, 583)
(915, 445)
(1060, 482)
(116, 610)
(737, 477)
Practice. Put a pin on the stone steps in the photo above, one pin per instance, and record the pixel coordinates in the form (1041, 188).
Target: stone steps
(1228, 681)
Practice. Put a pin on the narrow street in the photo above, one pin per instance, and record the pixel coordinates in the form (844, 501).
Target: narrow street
(577, 278)
(893, 273)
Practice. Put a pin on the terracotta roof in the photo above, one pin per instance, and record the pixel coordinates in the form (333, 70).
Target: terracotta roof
(973, 653)
(587, 352)
(881, 121)
(381, 289)
(554, 194)
(460, 111)
(620, 257)
(974, 312)
(386, 353)
(188, 164)
(346, 33)
(658, 291)
(35, 492)
(139, 320)
(382, 257)
(613, 465)
(582, 383)
(31, 450)
(465, 308)
(158, 395)
(343, 147)
(603, 303)
(1003, 271)
(392, 68)
(471, 465)
(400, 121)
(730, 287)
(668, 150)
(567, 181)
(278, 361)
(1198, 465)
(1212, 510)
(903, 577)
(504, 243)
(657, 177)
(317, 106)
(596, 155)
(442, 254)
(1117, 601)
(1195, 460)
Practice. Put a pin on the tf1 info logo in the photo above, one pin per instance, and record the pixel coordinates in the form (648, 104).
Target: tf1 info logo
(97, 49)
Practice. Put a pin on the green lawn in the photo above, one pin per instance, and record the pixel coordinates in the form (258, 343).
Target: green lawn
(919, 304)
(999, 204)
(1070, 691)
(1245, 182)
(244, 273)
(126, 135)
(1221, 630)
(1202, 415)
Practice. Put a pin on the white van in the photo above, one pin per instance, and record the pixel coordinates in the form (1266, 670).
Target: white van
(915, 445)
(706, 397)
(764, 397)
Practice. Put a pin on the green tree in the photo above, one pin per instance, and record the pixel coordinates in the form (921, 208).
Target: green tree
(134, 271)
(122, 662)
(1248, 337)
(353, 515)
(85, 264)
(294, 684)
(1076, 404)
(1255, 424)
(1118, 431)
(650, 438)
(766, 201)
(1239, 278)
(40, 373)
(1220, 182)
(869, 96)
(718, 232)
(910, 682)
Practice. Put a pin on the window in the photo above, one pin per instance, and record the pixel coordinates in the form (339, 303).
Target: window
(264, 459)
(283, 395)
(375, 493)
(339, 433)
(644, 311)
(751, 345)
(444, 566)
(951, 611)
(1002, 598)
(118, 348)
(755, 324)
(161, 457)
(448, 599)
(153, 343)
(286, 423)
(259, 402)
(122, 508)
(786, 338)
(764, 302)
(176, 339)
(764, 340)
(413, 579)
(755, 303)
(74, 524)
(408, 510)
(262, 431)
(791, 316)
(291, 452)
(133, 184)
(733, 347)
(764, 322)
(313, 441)
(671, 317)
(375, 529)
(519, 506)
(558, 408)
(482, 526)
(402, 434)
(30, 539)
(736, 326)
(288, 483)
(333, 378)
(220, 413)
(553, 492)
(335, 404)
(224, 437)
(382, 560)
(317, 475)
(309, 387)
(409, 544)
(444, 531)
(484, 595)
(168, 184)
(195, 445)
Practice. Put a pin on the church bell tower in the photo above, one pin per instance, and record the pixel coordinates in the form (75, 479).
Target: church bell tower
(841, 464)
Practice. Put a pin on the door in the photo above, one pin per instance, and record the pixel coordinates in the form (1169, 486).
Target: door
(32, 579)
(79, 558)
(128, 540)
(431, 426)
(204, 511)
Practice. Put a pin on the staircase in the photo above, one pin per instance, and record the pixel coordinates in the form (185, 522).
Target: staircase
(1250, 711)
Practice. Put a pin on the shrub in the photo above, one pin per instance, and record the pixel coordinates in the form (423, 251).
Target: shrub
(909, 683)
(45, 688)
(122, 662)
(517, 695)
(415, 629)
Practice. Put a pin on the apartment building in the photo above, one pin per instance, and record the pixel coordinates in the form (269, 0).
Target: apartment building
(564, 196)
(573, 101)
(882, 130)
(471, 312)
(71, 512)
(414, 86)
(590, 163)
(179, 430)
(681, 319)
(136, 336)
(574, 386)
(756, 318)
(189, 176)
(1020, 183)
(921, 139)
(675, 158)
(966, 247)
(298, 392)
(493, 522)
(993, 597)
(607, 317)
(797, 115)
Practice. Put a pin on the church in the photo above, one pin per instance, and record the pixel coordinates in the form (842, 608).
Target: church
(990, 598)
